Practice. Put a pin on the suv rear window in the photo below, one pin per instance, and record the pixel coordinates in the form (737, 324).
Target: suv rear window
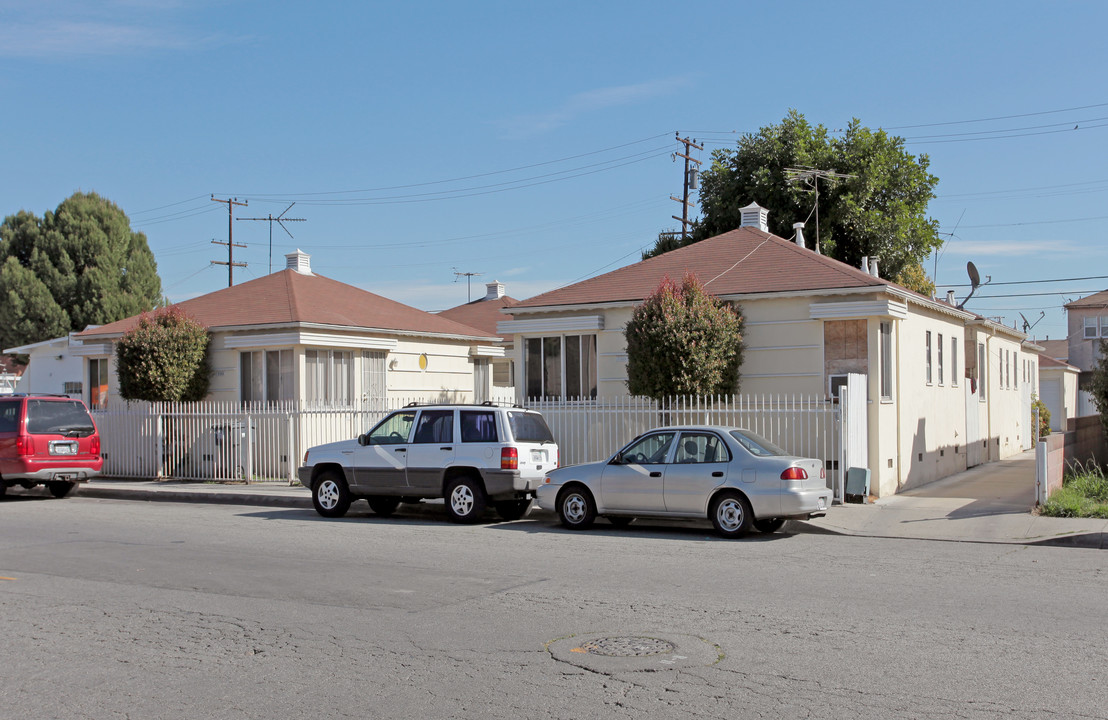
(529, 427)
(58, 417)
(9, 415)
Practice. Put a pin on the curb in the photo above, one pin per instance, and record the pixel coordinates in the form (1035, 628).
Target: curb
(188, 496)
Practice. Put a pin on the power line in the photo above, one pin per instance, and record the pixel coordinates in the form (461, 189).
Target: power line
(462, 178)
(1000, 117)
(1031, 282)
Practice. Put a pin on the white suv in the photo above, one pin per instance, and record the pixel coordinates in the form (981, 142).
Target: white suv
(471, 455)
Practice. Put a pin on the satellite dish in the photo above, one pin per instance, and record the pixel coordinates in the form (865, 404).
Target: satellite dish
(974, 276)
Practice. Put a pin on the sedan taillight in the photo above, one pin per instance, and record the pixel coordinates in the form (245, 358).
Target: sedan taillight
(794, 473)
(509, 458)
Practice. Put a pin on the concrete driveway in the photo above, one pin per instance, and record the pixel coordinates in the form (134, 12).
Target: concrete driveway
(1002, 487)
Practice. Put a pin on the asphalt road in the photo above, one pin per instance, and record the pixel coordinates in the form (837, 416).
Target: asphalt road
(116, 609)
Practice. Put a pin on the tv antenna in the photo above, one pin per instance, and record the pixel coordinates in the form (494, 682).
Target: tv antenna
(469, 279)
(975, 282)
(811, 177)
(1028, 325)
(280, 220)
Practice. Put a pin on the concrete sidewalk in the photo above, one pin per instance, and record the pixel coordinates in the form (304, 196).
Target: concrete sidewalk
(989, 504)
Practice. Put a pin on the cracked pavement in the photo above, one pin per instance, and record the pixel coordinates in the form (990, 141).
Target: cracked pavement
(156, 610)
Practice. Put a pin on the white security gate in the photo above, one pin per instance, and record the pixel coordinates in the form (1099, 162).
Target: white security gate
(854, 428)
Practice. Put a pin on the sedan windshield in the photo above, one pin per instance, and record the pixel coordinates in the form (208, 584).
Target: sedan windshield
(756, 444)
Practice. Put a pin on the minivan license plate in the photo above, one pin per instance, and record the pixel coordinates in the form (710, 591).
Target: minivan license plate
(63, 448)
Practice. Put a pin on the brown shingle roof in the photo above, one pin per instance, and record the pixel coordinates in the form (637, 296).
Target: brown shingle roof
(482, 314)
(1045, 361)
(1097, 300)
(742, 261)
(1057, 349)
(289, 297)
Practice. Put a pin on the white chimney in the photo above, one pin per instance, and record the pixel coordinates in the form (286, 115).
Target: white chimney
(873, 267)
(754, 215)
(799, 228)
(299, 261)
(865, 263)
(494, 290)
(950, 297)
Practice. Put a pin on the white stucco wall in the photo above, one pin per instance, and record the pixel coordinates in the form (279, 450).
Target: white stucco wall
(50, 367)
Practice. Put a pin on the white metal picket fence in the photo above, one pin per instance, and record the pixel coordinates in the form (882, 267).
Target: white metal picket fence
(591, 430)
(265, 443)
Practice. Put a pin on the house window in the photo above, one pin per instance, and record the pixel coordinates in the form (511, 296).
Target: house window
(982, 368)
(329, 377)
(1016, 375)
(1090, 327)
(72, 388)
(373, 376)
(1008, 369)
(265, 376)
(98, 382)
(954, 362)
(1104, 326)
(939, 348)
(560, 367)
(928, 361)
(886, 361)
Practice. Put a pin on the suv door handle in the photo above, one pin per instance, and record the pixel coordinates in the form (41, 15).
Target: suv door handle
(655, 474)
(446, 448)
(717, 473)
(400, 450)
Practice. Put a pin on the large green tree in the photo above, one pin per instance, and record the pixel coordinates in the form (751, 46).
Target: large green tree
(682, 341)
(879, 212)
(79, 265)
(164, 358)
(1098, 384)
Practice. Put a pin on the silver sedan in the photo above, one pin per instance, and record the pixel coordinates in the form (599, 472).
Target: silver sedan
(735, 478)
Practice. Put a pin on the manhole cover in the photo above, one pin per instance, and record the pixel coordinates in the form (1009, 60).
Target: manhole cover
(628, 646)
(602, 652)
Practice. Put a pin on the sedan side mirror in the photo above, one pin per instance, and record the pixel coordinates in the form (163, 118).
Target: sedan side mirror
(363, 439)
(618, 459)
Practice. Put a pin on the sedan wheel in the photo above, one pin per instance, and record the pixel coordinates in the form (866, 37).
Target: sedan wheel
(465, 500)
(331, 496)
(769, 525)
(576, 508)
(731, 515)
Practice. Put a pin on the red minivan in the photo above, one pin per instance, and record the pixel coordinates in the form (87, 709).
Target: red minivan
(47, 440)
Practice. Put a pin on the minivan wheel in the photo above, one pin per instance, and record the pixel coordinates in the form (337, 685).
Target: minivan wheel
(465, 500)
(330, 495)
(576, 508)
(731, 515)
(383, 505)
(60, 488)
(512, 509)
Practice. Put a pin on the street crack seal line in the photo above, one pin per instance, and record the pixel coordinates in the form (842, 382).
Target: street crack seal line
(6, 578)
(605, 653)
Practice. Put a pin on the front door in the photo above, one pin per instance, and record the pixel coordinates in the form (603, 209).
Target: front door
(633, 481)
(380, 464)
(431, 450)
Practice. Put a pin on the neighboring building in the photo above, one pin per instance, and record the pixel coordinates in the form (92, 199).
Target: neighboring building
(10, 372)
(944, 385)
(301, 337)
(1087, 321)
(52, 368)
(484, 314)
(1058, 391)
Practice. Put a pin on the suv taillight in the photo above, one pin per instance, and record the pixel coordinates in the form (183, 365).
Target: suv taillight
(794, 473)
(94, 445)
(24, 445)
(509, 458)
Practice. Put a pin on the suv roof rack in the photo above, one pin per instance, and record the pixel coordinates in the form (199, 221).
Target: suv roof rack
(57, 395)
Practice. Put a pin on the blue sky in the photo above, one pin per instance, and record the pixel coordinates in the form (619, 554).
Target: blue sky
(533, 144)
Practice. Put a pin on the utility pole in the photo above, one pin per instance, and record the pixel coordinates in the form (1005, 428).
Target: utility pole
(469, 278)
(280, 220)
(231, 245)
(690, 183)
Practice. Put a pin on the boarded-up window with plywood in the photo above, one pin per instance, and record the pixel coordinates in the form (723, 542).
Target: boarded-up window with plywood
(845, 347)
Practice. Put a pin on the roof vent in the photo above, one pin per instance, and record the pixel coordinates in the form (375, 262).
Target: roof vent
(950, 297)
(873, 267)
(299, 261)
(754, 215)
(494, 290)
(799, 228)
